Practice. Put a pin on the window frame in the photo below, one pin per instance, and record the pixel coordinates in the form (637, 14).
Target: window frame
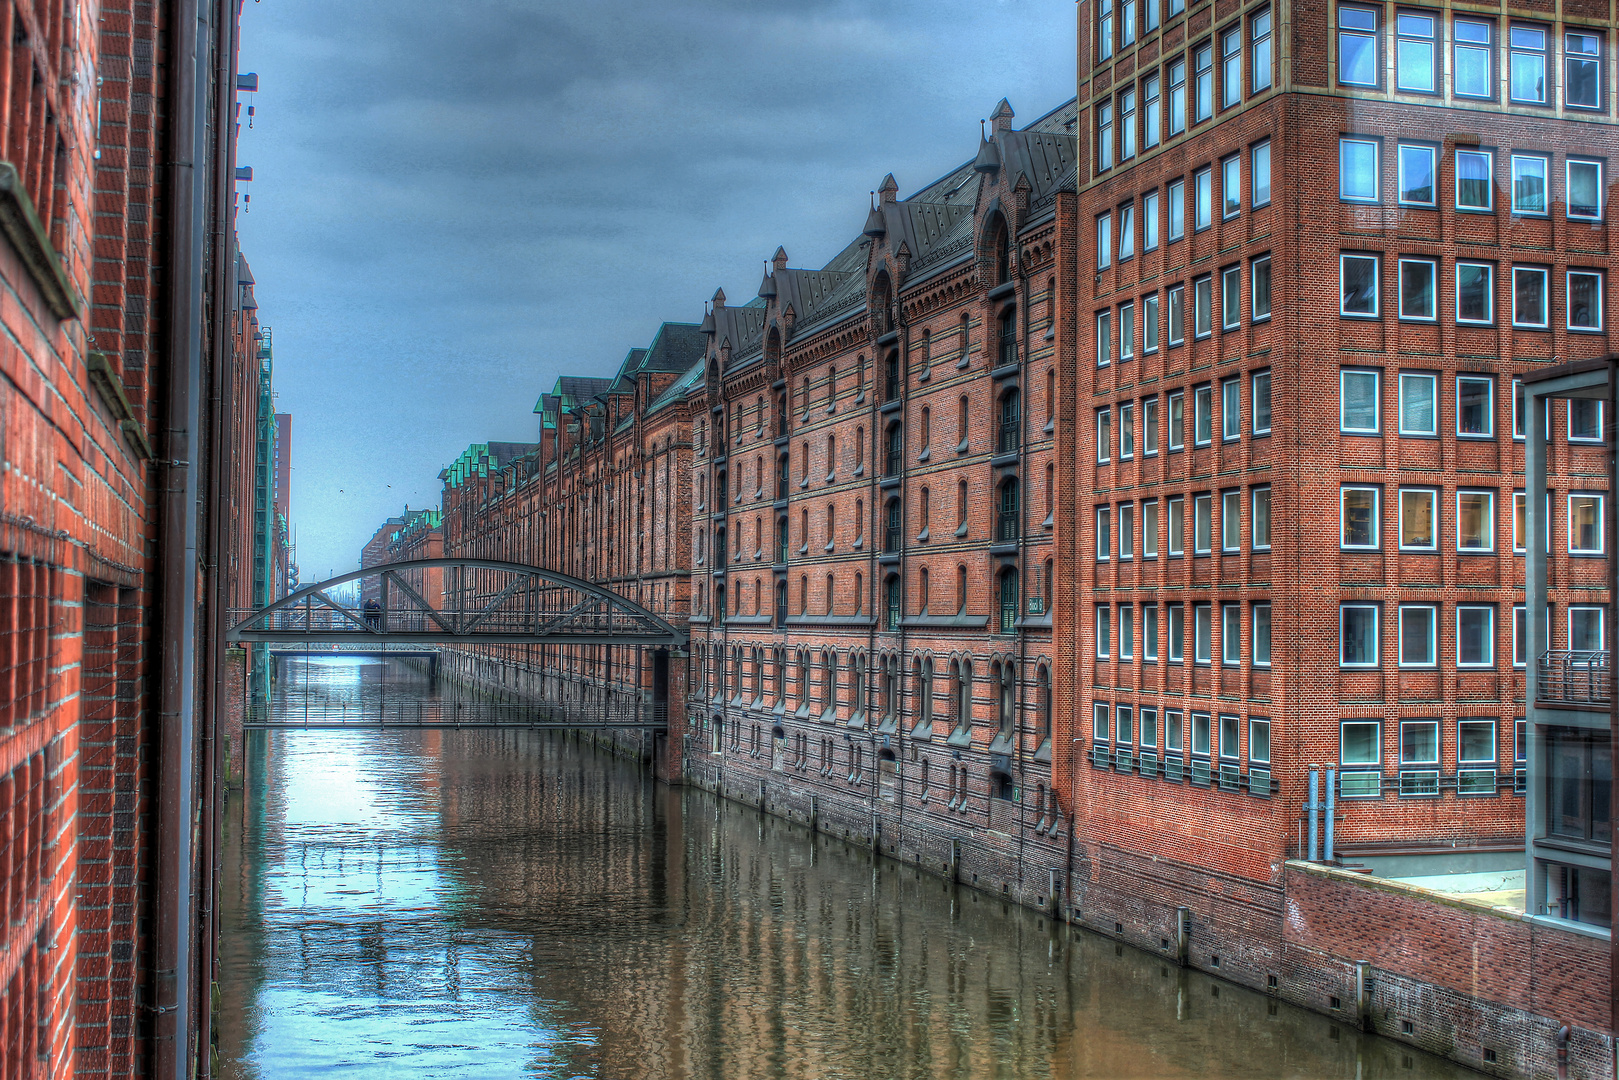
(1255, 314)
(1586, 440)
(1149, 221)
(1175, 199)
(1486, 48)
(1414, 378)
(1104, 533)
(1376, 638)
(1488, 382)
(1569, 274)
(1254, 636)
(1432, 267)
(1598, 610)
(1570, 58)
(1377, 399)
(1231, 298)
(1231, 65)
(1254, 516)
(1149, 536)
(1488, 639)
(1203, 199)
(1432, 660)
(1489, 183)
(1231, 409)
(1545, 298)
(1377, 517)
(1230, 524)
(1568, 185)
(1254, 396)
(1255, 152)
(1514, 51)
(1377, 284)
(1489, 292)
(1230, 193)
(1433, 518)
(1373, 36)
(1431, 40)
(1545, 163)
(1230, 644)
(1400, 185)
(1601, 522)
(1489, 496)
(1344, 173)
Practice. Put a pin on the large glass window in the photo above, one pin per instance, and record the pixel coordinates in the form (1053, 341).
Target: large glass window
(1579, 781)
(1231, 67)
(1419, 404)
(1261, 646)
(1357, 170)
(1152, 112)
(1358, 281)
(1585, 192)
(1259, 287)
(1584, 300)
(1474, 71)
(1529, 300)
(1177, 209)
(1585, 524)
(1261, 518)
(1149, 221)
(1358, 518)
(1259, 30)
(1582, 77)
(1204, 58)
(1418, 289)
(1203, 201)
(1475, 292)
(1104, 137)
(1529, 184)
(1418, 512)
(1475, 406)
(1475, 185)
(1528, 48)
(1417, 638)
(1177, 97)
(1357, 46)
(1414, 52)
(1259, 160)
(1360, 752)
(1357, 635)
(1416, 175)
(1357, 402)
(1475, 521)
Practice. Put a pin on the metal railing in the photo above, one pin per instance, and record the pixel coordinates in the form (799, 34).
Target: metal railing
(1568, 677)
(457, 714)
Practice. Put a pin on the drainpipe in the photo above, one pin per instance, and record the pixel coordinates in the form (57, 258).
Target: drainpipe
(1560, 1040)
(1022, 549)
(179, 501)
(1332, 809)
(1313, 806)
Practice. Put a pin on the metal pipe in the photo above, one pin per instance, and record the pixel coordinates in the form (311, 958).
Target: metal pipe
(1313, 806)
(178, 494)
(1560, 1040)
(1332, 807)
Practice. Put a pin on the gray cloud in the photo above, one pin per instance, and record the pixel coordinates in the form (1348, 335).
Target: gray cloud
(453, 203)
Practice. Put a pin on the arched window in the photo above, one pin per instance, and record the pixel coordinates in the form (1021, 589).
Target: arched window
(892, 540)
(829, 684)
(1009, 600)
(781, 416)
(831, 595)
(781, 602)
(831, 525)
(859, 522)
(962, 430)
(892, 384)
(1009, 423)
(831, 387)
(892, 603)
(922, 510)
(859, 594)
(1005, 699)
(961, 694)
(781, 477)
(759, 411)
(1045, 586)
(896, 450)
(966, 342)
(1000, 250)
(1009, 518)
(720, 550)
(803, 680)
(1051, 395)
(702, 491)
(806, 396)
(781, 539)
(859, 450)
(1006, 339)
(922, 588)
(857, 684)
(831, 457)
(1051, 303)
(924, 694)
(927, 429)
(1051, 489)
(927, 351)
(1042, 704)
(882, 318)
(961, 590)
(859, 379)
(721, 490)
(758, 477)
(803, 594)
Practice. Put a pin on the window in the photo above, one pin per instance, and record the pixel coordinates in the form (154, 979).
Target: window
(1475, 745)
(1104, 32)
(1203, 204)
(1231, 520)
(1104, 240)
(1419, 406)
(1419, 745)
(1585, 524)
(1149, 529)
(1104, 632)
(1528, 48)
(1259, 392)
(1127, 531)
(1127, 232)
(1358, 278)
(1149, 14)
(1230, 187)
(1584, 420)
(1104, 533)
(1417, 289)
(1127, 632)
(1261, 631)
(1127, 124)
(1200, 633)
(1584, 300)
(1358, 517)
(1585, 628)
(1475, 636)
(1474, 69)
(1177, 97)
(1259, 166)
(1357, 635)
(1149, 221)
(1519, 505)
(1127, 430)
(1585, 193)
(1230, 298)
(1104, 338)
(1529, 297)
(1520, 639)
(1202, 526)
(1475, 521)
(1357, 46)
(1475, 293)
(1416, 175)
(1204, 60)
(1414, 52)
(1231, 635)
(1202, 414)
(1231, 67)
(1149, 631)
(1202, 305)
(1177, 633)
(1100, 727)
(1177, 419)
(1418, 510)
(1260, 501)
(1177, 209)
(1104, 135)
(1231, 408)
(1259, 288)
(1152, 113)
(1529, 184)
(1127, 331)
(1417, 644)
(1177, 525)
(1475, 186)
(1359, 744)
(1124, 726)
(1177, 314)
(1582, 79)
(1357, 170)
(1518, 413)
(1259, 30)
(1104, 435)
(1149, 427)
(1358, 402)
(1009, 601)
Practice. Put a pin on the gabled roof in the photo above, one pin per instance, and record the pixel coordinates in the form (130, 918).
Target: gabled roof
(678, 390)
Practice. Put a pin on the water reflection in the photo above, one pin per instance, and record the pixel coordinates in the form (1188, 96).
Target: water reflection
(507, 903)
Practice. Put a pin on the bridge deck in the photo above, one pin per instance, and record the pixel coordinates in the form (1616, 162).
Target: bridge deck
(426, 715)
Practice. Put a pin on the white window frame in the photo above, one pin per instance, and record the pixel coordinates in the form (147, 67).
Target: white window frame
(1127, 632)
(1255, 636)
(1433, 290)
(1231, 409)
(1596, 439)
(1377, 284)
(1176, 625)
(1254, 395)
(1489, 292)
(1104, 241)
(1412, 378)
(1177, 432)
(1231, 298)
(1545, 164)
(1359, 32)
(1433, 636)
(1545, 297)
(1203, 198)
(1486, 48)
(1230, 644)
(1489, 637)
(1568, 300)
(1402, 37)
(1260, 41)
(1489, 406)
(1491, 526)
(1231, 64)
(1104, 533)
(1602, 539)
(1150, 330)
(1176, 200)
(1104, 632)
(1377, 634)
(1602, 625)
(1176, 541)
(1377, 386)
(1568, 185)
(1203, 642)
(1149, 426)
(1543, 51)
(1344, 194)
(1104, 435)
(1127, 531)
(1230, 187)
(1570, 57)
(1259, 166)
(1149, 221)
(1127, 331)
(1127, 430)
(1230, 523)
(1202, 523)
(1433, 516)
(1255, 314)
(1433, 173)
(1489, 186)
(1202, 414)
(1149, 535)
(1377, 517)
(1520, 496)
(1254, 494)
(1127, 232)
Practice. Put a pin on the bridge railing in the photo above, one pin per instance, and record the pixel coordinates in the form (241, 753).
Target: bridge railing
(457, 714)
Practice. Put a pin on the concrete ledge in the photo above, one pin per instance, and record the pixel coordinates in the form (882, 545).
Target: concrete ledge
(20, 222)
(1368, 881)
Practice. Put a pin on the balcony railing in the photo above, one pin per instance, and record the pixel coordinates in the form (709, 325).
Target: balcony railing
(1575, 678)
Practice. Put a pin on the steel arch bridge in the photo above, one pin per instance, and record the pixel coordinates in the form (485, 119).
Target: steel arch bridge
(457, 602)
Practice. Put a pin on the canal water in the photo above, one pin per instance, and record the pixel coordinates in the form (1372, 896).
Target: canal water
(517, 904)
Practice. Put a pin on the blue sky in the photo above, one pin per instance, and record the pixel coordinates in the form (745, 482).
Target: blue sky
(454, 203)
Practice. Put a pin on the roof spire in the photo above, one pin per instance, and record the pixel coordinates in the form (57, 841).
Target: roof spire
(989, 157)
(875, 225)
(780, 260)
(767, 288)
(889, 189)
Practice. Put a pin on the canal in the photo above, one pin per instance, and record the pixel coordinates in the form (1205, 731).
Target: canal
(510, 903)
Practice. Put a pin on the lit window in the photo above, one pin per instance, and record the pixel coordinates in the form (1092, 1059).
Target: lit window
(1417, 642)
(1177, 209)
(1259, 28)
(1585, 190)
(1418, 529)
(1417, 175)
(1582, 80)
(1358, 520)
(1357, 635)
(1474, 70)
(1231, 67)
(1260, 173)
(1358, 412)
(1475, 636)
(1475, 406)
(1584, 300)
(1357, 170)
(1414, 52)
(1528, 184)
(1259, 393)
(1358, 275)
(1261, 518)
(1475, 521)
(1475, 293)
(1203, 202)
(1528, 47)
(1418, 294)
(1260, 287)
(1529, 297)
(1475, 186)
(1357, 46)
(1230, 187)
(1204, 57)
(1585, 524)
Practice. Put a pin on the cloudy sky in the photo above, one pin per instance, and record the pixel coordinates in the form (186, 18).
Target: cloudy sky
(453, 203)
